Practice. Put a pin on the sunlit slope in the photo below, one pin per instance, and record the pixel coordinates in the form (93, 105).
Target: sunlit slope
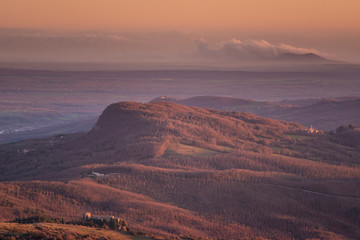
(175, 170)
(324, 114)
(58, 231)
(149, 129)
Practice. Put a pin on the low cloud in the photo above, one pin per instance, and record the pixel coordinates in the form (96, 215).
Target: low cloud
(112, 46)
(249, 49)
(98, 46)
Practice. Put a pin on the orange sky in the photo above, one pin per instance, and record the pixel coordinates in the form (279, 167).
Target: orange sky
(171, 28)
(149, 15)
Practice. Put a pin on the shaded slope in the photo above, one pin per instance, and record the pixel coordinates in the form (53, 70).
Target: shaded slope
(327, 114)
(57, 231)
(348, 135)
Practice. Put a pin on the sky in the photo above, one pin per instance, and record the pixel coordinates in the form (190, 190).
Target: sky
(177, 30)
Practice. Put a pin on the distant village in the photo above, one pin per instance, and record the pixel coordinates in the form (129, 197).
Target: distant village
(105, 221)
(87, 216)
(314, 131)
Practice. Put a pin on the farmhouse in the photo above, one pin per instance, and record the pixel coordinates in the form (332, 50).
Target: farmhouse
(313, 130)
(96, 174)
(87, 216)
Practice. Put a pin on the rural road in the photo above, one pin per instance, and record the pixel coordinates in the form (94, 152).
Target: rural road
(310, 192)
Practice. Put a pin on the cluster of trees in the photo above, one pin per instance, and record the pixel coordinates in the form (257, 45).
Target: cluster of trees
(348, 135)
(112, 224)
(37, 219)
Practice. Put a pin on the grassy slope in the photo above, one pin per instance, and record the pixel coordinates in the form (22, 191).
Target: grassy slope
(178, 149)
(325, 114)
(71, 199)
(59, 231)
(277, 181)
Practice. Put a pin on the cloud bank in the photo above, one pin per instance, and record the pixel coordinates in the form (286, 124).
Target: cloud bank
(105, 46)
(249, 49)
(94, 46)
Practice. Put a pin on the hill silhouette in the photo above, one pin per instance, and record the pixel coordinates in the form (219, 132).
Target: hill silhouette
(306, 57)
(130, 131)
(175, 170)
(130, 125)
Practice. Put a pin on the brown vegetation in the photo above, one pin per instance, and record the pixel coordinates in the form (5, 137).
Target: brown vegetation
(16, 231)
(175, 170)
(322, 113)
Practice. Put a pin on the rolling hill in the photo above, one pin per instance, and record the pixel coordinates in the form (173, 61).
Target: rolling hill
(59, 231)
(35, 102)
(175, 170)
(325, 114)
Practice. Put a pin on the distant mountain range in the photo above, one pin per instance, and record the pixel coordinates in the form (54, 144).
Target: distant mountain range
(306, 58)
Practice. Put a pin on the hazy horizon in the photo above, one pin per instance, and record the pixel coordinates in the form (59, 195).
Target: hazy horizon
(189, 32)
(179, 119)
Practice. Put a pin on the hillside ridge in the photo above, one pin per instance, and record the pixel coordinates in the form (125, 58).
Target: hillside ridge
(323, 113)
(176, 170)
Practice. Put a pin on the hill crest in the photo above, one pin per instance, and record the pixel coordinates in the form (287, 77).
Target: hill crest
(150, 128)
